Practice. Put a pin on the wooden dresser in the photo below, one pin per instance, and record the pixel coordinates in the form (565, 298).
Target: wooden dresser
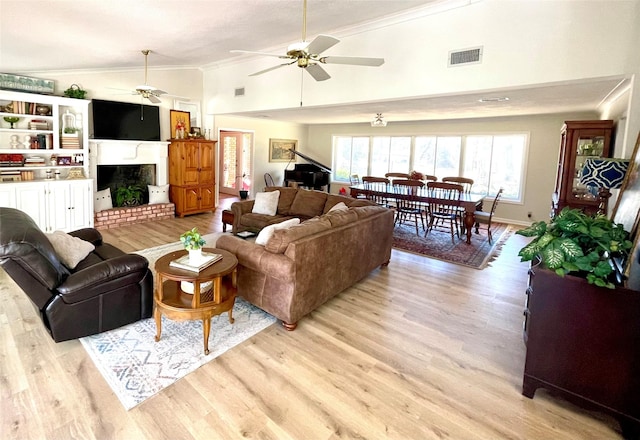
(192, 176)
(583, 343)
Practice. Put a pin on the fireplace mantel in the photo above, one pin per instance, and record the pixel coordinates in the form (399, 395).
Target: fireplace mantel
(115, 152)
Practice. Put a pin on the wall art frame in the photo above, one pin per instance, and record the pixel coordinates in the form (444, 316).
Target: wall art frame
(282, 150)
(176, 117)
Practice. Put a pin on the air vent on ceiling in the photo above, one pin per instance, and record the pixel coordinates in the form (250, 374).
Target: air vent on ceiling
(239, 92)
(465, 56)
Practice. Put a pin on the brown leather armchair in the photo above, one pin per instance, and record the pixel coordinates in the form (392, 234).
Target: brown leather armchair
(106, 290)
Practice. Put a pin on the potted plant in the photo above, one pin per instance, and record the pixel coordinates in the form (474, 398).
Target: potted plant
(130, 195)
(576, 242)
(193, 242)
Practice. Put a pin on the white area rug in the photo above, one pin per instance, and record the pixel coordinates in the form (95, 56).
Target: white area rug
(136, 367)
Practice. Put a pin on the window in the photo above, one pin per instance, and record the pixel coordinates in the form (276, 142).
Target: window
(492, 161)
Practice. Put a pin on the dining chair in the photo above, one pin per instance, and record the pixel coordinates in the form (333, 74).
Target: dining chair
(408, 207)
(395, 176)
(377, 183)
(354, 179)
(444, 201)
(430, 178)
(467, 184)
(486, 217)
(268, 180)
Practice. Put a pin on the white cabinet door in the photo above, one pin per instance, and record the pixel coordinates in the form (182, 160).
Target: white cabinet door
(8, 195)
(69, 205)
(58, 206)
(81, 212)
(30, 198)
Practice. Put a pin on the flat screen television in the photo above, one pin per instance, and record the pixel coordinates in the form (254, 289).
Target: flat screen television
(125, 121)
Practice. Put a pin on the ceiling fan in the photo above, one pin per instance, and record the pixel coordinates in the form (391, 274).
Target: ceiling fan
(307, 54)
(147, 91)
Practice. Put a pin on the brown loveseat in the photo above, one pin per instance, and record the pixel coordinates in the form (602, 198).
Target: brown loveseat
(302, 267)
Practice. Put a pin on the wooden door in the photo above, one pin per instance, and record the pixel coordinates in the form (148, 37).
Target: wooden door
(207, 198)
(207, 170)
(191, 158)
(191, 200)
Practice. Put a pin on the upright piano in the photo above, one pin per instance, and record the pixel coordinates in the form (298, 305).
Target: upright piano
(309, 175)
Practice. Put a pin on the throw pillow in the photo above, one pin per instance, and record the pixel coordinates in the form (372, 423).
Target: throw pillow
(339, 207)
(267, 232)
(266, 203)
(102, 200)
(158, 194)
(71, 250)
(308, 203)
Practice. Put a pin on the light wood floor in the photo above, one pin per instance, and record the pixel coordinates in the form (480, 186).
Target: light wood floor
(420, 350)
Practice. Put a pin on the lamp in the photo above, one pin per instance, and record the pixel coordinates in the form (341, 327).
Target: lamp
(604, 174)
(378, 121)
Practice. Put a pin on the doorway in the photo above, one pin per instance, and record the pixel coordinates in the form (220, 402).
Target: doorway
(235, 161)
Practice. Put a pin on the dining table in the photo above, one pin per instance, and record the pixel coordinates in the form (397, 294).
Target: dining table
(471, 202)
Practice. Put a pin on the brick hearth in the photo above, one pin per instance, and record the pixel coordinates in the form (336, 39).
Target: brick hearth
(116, 217)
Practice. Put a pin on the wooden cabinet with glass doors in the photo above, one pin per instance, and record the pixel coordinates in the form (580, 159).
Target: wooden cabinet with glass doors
(192, 176)
(580, 140)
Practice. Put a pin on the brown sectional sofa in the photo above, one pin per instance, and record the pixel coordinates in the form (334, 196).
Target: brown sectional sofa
(302, 267)
(292, 203)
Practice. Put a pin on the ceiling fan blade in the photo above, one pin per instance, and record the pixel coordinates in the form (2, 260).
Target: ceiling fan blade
(356, 61)
(260, 53)
(321, 43)
(158, 92)
(154, 99)
(271, 68)
(318, 73)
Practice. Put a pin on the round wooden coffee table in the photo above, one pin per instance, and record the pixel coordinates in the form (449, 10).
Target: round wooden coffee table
(176, 304)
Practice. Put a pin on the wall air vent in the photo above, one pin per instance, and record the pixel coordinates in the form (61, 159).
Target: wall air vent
(239, 92)
(465, 56)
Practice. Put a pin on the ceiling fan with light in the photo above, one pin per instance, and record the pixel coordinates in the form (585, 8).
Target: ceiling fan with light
(145, 90)
(307, 54)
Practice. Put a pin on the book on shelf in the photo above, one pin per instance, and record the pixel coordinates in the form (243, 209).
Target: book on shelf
(205, 261)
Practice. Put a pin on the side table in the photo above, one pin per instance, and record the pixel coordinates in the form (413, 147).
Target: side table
(227, 219)
(176, 304)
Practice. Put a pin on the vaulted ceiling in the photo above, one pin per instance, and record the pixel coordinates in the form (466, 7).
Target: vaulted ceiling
(92, 35)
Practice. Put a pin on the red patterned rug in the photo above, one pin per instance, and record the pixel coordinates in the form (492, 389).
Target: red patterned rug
(438, 244)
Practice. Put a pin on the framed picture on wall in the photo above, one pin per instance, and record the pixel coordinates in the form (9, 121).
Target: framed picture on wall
(180, 124)
(281, 150)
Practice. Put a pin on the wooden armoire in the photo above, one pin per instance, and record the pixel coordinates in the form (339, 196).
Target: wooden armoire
(192, 175)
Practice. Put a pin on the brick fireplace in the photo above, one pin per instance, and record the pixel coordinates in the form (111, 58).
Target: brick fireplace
(129, 160)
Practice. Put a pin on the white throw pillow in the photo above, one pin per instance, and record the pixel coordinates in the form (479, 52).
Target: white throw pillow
(158, 194)
(71, 250)
(266, 203)
(268, 231)
(102, 200)
(339, 207)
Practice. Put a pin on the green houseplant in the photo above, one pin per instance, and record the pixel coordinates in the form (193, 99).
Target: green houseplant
(576, 242)
(130, 195)
(192, 240)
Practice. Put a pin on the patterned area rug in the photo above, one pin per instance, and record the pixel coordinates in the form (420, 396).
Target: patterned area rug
(438, 244)
(136, 367)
